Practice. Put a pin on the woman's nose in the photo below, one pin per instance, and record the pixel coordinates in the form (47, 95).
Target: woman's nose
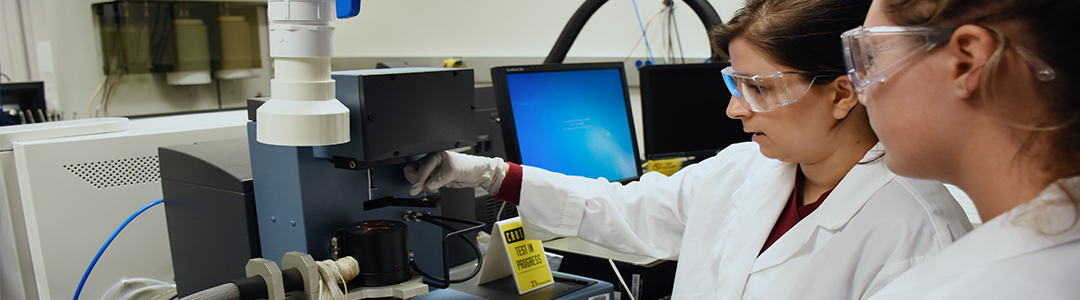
(736, 110)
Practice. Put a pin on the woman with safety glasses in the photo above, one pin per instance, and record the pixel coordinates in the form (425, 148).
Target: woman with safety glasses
(982, 94)
(806, 211)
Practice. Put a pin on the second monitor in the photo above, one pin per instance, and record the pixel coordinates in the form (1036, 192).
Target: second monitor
(683, 110)
(573, 119)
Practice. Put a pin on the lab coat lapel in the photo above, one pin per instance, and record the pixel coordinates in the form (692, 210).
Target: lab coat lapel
(1003, 238)
(757, 204)
(849, 196)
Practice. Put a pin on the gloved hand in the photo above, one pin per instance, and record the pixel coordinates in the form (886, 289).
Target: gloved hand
(455, 170)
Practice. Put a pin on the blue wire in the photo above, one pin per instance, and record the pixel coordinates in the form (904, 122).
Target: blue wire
(173, 297)
(643, 31)
(106, 245)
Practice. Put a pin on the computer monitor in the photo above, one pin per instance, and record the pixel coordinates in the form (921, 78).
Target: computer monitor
(573, 119)
(683, 111)
(22, 103)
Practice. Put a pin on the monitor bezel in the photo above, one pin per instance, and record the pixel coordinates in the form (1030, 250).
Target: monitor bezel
(650, 145)
(506, 114)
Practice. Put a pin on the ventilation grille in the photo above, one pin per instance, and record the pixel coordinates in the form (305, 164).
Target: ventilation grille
(118, 173)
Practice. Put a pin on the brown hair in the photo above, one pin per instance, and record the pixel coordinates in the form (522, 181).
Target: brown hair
(802, 34)
(1047, 31)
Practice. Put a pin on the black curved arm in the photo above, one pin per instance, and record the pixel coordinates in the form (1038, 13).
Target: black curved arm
(702, 8)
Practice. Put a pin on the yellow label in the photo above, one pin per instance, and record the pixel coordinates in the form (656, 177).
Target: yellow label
(527, 257)
(665, 166)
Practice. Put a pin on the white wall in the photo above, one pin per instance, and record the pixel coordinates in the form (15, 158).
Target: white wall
(64, 50)
(510, 28)
(13, 58)
(64, 43)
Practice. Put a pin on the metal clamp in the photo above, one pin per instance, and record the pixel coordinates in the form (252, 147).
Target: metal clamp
(268, 270)
(412, 216)
(308, 269)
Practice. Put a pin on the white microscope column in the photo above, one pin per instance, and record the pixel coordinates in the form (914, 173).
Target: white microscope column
(302, 110)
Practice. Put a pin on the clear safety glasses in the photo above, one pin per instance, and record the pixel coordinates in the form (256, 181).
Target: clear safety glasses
(873, 54)
(764, 92)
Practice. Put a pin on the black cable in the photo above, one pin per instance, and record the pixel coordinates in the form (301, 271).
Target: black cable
(443, 282)
(441, 218)
(702, 8)
(162, 28)
(251, 288)
(472, 244)
(571, 31)
(292, 280)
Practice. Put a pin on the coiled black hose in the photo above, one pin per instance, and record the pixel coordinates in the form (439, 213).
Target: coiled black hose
(445, 281)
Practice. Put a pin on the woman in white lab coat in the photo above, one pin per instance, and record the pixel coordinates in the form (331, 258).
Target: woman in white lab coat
(805, 211)
(982, 94)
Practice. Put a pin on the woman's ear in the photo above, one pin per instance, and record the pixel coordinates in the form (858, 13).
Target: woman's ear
(844, 97)
(968, 51)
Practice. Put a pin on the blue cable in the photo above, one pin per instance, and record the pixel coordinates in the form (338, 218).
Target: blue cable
(642, 25)
(173, 297)
(106, 245)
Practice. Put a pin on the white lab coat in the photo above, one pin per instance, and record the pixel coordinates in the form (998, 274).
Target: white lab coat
(714, 217)
(1006, 258)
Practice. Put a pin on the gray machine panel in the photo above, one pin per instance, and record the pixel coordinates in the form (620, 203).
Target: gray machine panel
(223, 164)
(395, 113)
(209, 211)
(304, 198)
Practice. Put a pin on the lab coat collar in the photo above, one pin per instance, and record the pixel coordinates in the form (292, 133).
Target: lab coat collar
(1006, 236)
(1013, 233)
(768, 198)
(854, 190)
(765, 199)
(849, 196)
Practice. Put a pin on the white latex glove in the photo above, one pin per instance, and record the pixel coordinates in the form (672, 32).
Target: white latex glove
(455, 170)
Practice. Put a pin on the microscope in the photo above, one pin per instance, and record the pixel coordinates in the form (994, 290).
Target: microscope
(312, 199)
(327, 153)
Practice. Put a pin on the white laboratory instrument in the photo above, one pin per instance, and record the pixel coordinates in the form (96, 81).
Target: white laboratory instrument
(66, 191)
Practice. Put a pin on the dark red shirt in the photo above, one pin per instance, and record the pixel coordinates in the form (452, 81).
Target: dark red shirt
(793, 213)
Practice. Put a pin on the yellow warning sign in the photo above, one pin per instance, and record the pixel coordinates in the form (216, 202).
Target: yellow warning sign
(525, 257)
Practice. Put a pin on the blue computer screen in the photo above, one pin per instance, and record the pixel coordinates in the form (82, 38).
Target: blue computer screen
(573, 122)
